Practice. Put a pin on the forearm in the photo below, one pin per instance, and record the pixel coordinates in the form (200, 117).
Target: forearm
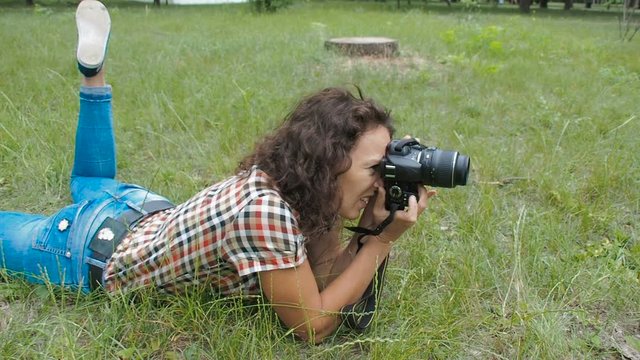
(314, 314)
(342, 259)
(330, 263)
(348, 285)
(354, 271)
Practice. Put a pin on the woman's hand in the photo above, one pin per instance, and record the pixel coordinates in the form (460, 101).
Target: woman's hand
(403, 220)
(375, 213)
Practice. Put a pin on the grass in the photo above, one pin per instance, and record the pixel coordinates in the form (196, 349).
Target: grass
(538, 257)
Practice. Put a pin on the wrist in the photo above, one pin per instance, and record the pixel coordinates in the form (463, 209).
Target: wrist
(385, 239)
(377, 239)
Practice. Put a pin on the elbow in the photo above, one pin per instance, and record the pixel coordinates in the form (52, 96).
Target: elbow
(312, 337)
(315, 332)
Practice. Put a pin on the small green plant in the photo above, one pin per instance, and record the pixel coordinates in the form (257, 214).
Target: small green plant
(619, 254)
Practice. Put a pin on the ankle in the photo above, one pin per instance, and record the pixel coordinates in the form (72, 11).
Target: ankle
(94, 81)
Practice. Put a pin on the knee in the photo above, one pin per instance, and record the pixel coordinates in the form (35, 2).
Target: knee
(87, 188)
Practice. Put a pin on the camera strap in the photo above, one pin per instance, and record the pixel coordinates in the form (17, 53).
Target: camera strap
(358, 316)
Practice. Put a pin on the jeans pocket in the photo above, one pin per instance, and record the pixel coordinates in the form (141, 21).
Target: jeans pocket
(53, 236)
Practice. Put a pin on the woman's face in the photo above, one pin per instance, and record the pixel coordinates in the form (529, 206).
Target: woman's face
(358, 184)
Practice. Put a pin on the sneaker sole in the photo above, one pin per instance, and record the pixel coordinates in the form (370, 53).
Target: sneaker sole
(94, 25)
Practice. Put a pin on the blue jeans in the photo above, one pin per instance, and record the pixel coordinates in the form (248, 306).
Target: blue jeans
(54, 249)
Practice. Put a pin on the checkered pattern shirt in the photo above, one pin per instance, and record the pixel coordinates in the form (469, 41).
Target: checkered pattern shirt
(222, 237)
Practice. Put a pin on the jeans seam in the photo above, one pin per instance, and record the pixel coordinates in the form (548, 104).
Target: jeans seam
(95, 100)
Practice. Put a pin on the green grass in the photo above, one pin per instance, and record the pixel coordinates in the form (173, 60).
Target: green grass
(538, 257)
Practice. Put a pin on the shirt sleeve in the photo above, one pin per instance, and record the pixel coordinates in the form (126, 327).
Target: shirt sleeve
(264, 236)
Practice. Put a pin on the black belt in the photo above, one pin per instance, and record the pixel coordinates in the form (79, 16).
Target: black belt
(111, 232)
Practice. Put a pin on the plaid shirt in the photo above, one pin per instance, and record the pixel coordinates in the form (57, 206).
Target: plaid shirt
(222, 237)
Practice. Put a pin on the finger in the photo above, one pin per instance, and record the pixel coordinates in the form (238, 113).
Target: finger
(412, 210)
(425, 195)
(425, 192)
(411, 137)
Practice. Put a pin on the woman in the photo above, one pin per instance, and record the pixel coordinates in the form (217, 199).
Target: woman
(273, 229)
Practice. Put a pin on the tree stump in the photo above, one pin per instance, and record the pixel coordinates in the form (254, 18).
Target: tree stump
(363, 46)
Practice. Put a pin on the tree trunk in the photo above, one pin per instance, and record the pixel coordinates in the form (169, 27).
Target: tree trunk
(30, 3)
(156, 2)
(568, 4)
(544, 4)
(525, 6)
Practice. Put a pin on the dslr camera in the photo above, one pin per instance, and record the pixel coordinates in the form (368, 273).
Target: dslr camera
(409, 164)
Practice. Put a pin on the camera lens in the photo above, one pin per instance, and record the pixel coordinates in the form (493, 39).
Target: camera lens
(446, 168)
(461, 170)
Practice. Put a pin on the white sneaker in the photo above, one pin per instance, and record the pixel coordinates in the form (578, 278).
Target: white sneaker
(94, 26)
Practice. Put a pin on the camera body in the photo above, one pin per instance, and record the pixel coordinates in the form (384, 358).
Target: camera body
(408, 165)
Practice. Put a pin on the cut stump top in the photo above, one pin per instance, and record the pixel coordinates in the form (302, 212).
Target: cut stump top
(363, 46)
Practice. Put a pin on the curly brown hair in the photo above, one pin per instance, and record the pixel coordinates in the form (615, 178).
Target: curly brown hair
(305, 155)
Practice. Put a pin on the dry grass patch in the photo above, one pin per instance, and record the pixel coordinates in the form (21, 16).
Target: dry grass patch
(403, 64)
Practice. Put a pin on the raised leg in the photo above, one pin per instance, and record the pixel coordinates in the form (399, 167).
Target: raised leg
(52, 248)
(95, 150)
